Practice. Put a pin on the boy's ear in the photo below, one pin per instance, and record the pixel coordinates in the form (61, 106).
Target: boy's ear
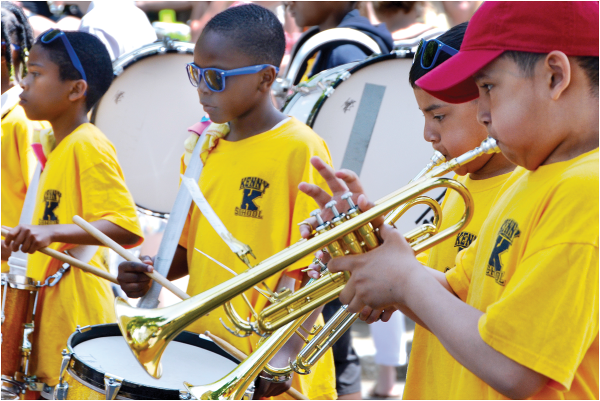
(268, 78)
(559, 72)
(78, 90)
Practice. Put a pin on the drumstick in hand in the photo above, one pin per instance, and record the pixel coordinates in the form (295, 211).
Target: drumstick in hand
(236, 353)
(71, 260)
(105, 240)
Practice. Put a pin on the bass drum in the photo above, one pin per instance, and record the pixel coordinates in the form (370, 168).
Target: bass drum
(145, 113)
(368, 115)
(98, 354)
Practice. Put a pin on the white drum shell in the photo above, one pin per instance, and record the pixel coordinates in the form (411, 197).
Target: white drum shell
(145, 114)
(396, 151)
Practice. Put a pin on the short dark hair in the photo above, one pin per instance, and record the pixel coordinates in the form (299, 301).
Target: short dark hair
(94, 58)
(453, 38)
(14, 22)
(253, 29)
(527, 61)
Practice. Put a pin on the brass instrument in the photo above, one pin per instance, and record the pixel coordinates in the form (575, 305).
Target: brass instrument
(149, 331)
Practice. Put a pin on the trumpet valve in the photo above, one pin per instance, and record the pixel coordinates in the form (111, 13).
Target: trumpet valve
(348, 198)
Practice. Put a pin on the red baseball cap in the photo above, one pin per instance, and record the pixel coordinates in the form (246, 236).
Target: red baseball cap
(527, 26)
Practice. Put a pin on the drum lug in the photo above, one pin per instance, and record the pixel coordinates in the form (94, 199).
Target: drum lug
(112, 385)
(26, 347)
(329, 91)
(345, 75)
(83, 329)
(60, 391)
(185, 395)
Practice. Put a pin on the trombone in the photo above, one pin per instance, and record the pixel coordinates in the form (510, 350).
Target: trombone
(149, 331)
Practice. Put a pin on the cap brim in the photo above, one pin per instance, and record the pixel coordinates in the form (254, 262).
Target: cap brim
(452, 81)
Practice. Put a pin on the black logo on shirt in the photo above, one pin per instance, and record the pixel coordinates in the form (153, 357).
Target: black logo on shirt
(51, 199)
(508, 232)
(253, 188)
(463, 240)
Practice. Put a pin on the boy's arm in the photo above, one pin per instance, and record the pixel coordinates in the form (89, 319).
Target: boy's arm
(31, 238)
(289, 351)
(401, 282)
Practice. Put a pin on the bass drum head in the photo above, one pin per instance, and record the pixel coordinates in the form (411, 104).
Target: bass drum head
(188, 358)
(145, 114)
(373, 126)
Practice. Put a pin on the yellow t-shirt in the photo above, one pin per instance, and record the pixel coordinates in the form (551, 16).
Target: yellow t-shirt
(430, 365)
(252, 185)
(534, 273)
(18, 164)
(82, 177)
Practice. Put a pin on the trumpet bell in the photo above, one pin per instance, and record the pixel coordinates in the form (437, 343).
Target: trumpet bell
(144, 335)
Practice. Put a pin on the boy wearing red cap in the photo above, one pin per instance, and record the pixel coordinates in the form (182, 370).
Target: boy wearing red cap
(519, 311)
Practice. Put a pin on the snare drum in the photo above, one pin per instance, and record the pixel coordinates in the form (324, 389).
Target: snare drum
(367, 113)
(145, 114)
(19, 295)
(98, 354)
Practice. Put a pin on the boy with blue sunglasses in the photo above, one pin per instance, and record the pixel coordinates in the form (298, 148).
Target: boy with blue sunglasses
(256, 159)
(68, 72)
(452, 130)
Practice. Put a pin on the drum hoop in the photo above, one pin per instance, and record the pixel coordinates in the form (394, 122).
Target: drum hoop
(370, 61)
(19, 282)
(12, 385)
(88, 375)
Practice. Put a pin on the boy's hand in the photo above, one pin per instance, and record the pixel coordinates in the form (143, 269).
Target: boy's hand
(378, 278)
(266, 389)
(29, 238)
(132, 278)
(5, 252)
(339, 183)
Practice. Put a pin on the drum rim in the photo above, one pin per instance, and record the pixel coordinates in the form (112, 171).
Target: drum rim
(322, 99)
(19, 282)
(89, 375)
(127, 60)
(10, 384)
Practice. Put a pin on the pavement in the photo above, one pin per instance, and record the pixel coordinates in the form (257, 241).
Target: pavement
(365, 349)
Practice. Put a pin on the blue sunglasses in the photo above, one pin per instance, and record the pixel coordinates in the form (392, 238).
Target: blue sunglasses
(215, 78)
(15, 47)
(53, 34)
(429, 50)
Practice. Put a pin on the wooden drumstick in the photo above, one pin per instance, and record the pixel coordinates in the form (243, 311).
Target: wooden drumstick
(71, 260)
(236, 353)
(106, 241)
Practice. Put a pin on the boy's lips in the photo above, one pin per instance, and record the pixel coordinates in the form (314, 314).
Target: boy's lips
(208, 108)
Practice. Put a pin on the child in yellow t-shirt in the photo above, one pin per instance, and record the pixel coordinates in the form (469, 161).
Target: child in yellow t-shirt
(519, 312)
(18, 160)
(250, 179)
(452, 130)
(68, 73)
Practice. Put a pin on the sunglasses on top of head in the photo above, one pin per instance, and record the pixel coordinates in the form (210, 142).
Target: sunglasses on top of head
(429, 50)
(15, 47)
(215, 78)
(53, 34)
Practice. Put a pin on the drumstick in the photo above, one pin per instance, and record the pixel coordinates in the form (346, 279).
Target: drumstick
(105, 240)
(236, 353)
(71, 261)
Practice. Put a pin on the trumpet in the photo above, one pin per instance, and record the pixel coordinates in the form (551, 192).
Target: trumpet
(342, 320)
(149, 331)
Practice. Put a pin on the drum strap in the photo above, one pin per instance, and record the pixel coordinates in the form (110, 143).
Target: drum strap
(168, 246)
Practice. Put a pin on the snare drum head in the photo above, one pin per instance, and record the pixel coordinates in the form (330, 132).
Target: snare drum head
(187, 358)
(372, 125)
(145, 114)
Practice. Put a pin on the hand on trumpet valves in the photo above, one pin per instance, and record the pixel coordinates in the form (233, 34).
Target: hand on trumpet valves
(340, 183)
(133, 279)
(379, 278)
(29, 238)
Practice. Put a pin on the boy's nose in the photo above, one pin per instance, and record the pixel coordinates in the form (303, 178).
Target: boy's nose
(483, 116)
(430, 135)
